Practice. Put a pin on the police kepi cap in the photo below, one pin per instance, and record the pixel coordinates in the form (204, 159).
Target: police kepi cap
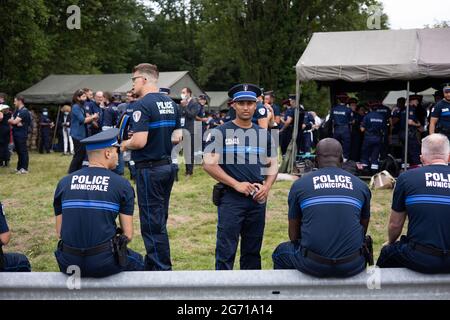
(164, 90)
(102, 140)
(203, 97)
(244, 92)
(446, 87)
(292, 96)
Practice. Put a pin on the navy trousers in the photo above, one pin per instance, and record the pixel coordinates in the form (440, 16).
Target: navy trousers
(401, 255)
(22, 152)
(100, 265)
(371, 151)
(342, 134)
(45, 141)
(413, 149)
(306, 142)
(15, 262)
(239, 215)
(288, 255)
(153, 188)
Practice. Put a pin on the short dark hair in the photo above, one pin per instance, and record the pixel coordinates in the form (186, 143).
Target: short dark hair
(86, 90)
(188, 90)
(147, 68)
(20, 98)
(3, 95)
(108, 96)
(77, 94)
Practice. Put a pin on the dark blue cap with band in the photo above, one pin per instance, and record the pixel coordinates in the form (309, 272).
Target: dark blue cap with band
(244, 92)
(164, 90)
(102, 140)
(446, 87)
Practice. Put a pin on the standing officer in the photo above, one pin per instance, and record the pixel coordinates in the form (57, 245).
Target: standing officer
(191, 110)
(356, 134)
(87, 203)
(374, 127)
(423, 196)
(240, 155)
(260, 117)
(329, 212)
(286, 129)
(5, 135)
(45, 125)
(21, 121)
(341, 117)
(155, 124)
(440, 114)
(307, 136)
(386, 112)
(10, 262)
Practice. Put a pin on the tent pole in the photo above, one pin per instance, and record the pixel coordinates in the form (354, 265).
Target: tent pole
(296, 117)
(406, 126)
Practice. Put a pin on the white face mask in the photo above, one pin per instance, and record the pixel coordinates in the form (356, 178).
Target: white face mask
(45, 113)
(183, 96)
(66, 113)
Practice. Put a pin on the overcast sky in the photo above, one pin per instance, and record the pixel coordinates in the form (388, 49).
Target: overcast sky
(410, 14)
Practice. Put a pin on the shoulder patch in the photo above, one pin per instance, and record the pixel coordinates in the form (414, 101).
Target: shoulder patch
(137, 116)
(262, 111)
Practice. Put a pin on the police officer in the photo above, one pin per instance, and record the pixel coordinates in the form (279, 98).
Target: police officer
(87, 203)
(45, 124)
(155, 128)
(21, 121)
(260, 116)
(440, 114)
(231, 114)
(287, 127)
(240, 155)
(374, 128)
(307, 127)
(341, 117)
(275, 107)
(10, 262)
(421, 196)
(386, 112)
(413, 129)
(5, 135)
(356, 134)
(329, 212)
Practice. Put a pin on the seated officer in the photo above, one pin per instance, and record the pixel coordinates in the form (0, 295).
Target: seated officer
(422, 195)
(87, 203)
(329, 212)
(10, 262)
(240, 155)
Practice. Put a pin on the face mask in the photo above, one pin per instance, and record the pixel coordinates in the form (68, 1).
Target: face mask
(45, 113)
(183, 96)
(66, 113)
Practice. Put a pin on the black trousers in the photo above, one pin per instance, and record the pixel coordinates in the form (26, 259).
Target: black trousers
(189, 154)
(45, 141)
(22, 152)
(78, 157)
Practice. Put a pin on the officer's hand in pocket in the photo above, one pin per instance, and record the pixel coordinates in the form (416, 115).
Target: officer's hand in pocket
(262, 193)
(245, 187)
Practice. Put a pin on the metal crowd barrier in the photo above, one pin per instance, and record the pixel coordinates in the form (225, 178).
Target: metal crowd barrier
(390, 284)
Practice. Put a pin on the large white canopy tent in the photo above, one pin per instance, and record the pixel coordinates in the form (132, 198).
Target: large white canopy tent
(375, 60)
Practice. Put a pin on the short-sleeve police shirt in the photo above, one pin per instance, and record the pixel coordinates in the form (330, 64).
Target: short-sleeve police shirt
(22, 131)
(442, 112)
(424, 194)
(374, 123)
(243, 153)
(90, 200)
(158, 115)
(330, 203)
(341, 115)
(260, 113)
(3, 224)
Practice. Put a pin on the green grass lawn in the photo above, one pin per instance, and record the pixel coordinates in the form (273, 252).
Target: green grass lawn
(28, 199)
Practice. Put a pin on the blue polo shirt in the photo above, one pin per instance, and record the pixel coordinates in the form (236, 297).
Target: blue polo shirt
(78, 129)
(158, 115)
(231, 115)
(331, 203)
(260, 113)
(90, 200)
(110, 116)
(385, 111)
(442, 111)
(341, 115)
(3, 224)
(241, 157)
(22, 131)
(374, 123)
(424, 194)
(276, 110)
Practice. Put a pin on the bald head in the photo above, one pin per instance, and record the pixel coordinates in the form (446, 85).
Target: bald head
(435, 148)
(329, 153)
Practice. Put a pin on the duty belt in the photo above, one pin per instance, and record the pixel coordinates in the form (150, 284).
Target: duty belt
(152, 164)
(429, 250)
(107, 246)
(328, 261)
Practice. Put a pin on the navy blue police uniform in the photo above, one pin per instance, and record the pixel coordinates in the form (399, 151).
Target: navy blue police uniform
(374, 125)
(44, 125)
(111, 116)
(386, 112)
(20, 137)
(307, 137)
(341, 116)
(424, 194)
(260, 113)
(89, 201)
(356, 137)
(441, 111)
(91, 107)
(242, 159)
(231, 115)
(158, 115)
(413, 142)
(286, 132)
(11, 262)
(331, 203)
(78, 131)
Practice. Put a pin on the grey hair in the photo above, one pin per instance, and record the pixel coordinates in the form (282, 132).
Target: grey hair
(436, 146)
